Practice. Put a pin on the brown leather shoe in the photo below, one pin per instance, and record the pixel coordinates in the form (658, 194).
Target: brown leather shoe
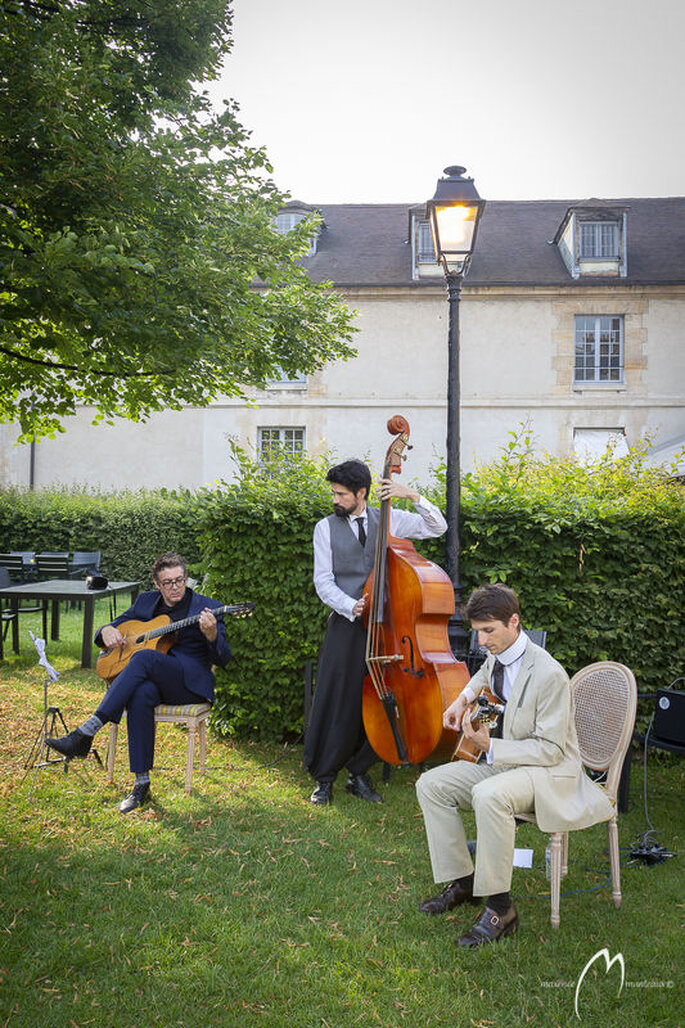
(490, 927)
(450, 897)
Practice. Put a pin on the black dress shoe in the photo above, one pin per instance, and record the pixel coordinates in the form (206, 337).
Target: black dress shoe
(362, 786)
(490, 927)
(135, 799)
(450, 897)
(75, 744)
(323, 794)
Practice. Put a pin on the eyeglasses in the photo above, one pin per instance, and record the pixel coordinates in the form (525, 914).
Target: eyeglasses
(173, 583)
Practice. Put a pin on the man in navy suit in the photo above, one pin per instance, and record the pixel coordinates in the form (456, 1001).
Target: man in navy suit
(183, 675)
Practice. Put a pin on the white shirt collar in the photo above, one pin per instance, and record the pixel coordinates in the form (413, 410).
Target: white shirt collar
(515, 651)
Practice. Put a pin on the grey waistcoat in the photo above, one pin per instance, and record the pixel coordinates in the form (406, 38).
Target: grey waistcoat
(352, 564)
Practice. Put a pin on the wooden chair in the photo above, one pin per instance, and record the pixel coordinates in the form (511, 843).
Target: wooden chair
(605, 697)
(194, 715)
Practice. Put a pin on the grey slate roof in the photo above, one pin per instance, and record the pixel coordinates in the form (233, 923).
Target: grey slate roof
(368, 244)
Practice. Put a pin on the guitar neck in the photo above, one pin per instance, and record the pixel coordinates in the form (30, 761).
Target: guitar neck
(175, 626)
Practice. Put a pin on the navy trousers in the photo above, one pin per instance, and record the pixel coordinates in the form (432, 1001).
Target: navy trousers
(149, 678)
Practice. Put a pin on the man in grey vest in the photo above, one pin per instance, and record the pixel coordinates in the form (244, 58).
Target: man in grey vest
(344, 550)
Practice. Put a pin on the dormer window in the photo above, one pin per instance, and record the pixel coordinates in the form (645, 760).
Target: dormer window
(592, 240)
(598, 239)
(424, 262)
(287, 219)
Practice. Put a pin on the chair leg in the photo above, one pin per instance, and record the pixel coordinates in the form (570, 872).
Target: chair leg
(556, 846)
(111, 751)
(564, 855)
(192, 732)
(615, 863)
(202, 735)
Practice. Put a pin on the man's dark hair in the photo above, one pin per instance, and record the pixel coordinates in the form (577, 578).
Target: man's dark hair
(168, 560)
(492, 602)
(352, 474)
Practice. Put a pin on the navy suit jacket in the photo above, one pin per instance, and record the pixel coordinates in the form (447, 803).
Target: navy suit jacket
(194, 652)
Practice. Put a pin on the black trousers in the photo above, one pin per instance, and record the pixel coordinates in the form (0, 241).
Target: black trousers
(335, 736)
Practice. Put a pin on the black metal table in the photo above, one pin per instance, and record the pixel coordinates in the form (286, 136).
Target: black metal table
(57, 589)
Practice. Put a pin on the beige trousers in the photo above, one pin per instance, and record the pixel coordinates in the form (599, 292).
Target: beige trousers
(496, 797)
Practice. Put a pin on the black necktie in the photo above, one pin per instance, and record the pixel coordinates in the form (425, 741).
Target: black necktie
(497, 684)
(362, 530)
(498, 680)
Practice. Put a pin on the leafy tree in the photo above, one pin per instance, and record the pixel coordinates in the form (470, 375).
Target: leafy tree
(135, 221)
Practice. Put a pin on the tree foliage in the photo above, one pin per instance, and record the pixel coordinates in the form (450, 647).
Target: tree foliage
(135, 221)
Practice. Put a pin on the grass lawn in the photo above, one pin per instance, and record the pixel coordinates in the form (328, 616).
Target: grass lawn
(243, 905)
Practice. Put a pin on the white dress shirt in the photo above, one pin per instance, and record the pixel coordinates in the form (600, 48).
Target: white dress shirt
(511, 660)
(426, 523)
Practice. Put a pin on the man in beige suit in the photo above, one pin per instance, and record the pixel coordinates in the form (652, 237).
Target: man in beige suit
(534, 766)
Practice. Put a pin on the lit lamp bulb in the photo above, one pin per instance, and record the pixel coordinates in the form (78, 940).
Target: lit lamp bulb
(456, 225)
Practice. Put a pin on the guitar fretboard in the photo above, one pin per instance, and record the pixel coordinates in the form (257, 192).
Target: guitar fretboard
(233, 608)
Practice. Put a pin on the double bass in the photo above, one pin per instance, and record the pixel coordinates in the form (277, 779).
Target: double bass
(412, 675)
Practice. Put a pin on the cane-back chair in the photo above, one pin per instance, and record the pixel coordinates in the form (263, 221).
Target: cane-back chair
(605, 698)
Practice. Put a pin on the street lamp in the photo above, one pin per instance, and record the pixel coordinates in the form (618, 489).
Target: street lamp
(454, 214)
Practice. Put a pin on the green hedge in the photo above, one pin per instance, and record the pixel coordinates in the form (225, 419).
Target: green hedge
(257, 542)
(596, 555)
(130, 528)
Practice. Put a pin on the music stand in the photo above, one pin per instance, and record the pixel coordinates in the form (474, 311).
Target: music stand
(40, 753)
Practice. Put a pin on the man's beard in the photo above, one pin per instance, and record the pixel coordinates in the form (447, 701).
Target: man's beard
(340, 511)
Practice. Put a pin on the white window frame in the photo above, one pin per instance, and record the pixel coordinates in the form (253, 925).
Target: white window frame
(286, 381)
(598, 240)
(286, 222)
(425, 251)
(598, 350)
(272, 439)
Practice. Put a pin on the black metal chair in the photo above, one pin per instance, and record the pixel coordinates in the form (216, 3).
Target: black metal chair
(83, 561)
(11, 617)
(477, 654)
(29, 563)
(52, 565)
(14, 563)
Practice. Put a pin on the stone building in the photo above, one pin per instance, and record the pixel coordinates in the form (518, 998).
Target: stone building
(572, 322)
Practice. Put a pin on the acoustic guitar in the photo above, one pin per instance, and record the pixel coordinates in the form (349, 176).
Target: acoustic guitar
(150, 635)
(485, 710)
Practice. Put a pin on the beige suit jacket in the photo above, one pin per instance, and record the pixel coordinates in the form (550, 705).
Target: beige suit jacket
(539, 733)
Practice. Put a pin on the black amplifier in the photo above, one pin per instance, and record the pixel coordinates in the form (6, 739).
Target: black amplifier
(669, 716)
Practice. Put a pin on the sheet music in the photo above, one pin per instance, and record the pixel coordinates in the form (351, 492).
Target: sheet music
(42, 659)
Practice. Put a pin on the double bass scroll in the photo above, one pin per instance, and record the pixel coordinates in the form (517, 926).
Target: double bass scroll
(412, 674)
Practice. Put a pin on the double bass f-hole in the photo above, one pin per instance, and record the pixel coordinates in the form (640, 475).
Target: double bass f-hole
(411, 670)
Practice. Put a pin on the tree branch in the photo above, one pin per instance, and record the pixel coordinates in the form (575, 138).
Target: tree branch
(75, 367)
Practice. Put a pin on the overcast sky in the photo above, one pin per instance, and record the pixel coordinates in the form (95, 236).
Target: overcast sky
(368, 100)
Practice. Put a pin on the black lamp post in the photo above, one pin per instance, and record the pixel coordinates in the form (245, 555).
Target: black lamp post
(454, 213)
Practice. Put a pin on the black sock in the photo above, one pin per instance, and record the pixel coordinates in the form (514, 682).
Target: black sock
(466, 882)
(500, 902)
